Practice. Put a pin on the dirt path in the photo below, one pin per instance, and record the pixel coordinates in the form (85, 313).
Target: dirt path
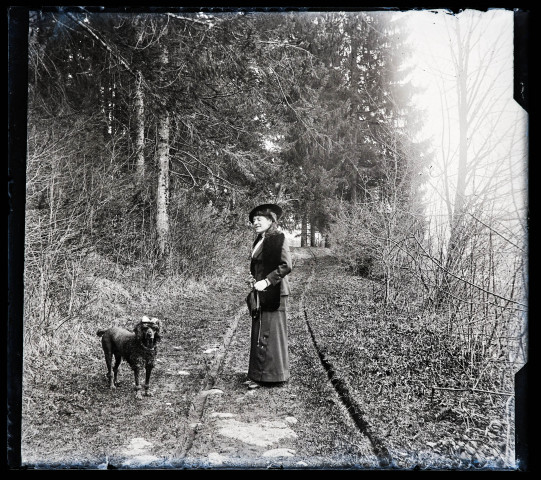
(277, 427)
(201, 414)
(357, 396)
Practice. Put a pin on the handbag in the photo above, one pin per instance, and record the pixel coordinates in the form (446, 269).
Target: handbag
(252, 300)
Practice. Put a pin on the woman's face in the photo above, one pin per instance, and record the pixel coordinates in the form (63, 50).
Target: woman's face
(261, 224)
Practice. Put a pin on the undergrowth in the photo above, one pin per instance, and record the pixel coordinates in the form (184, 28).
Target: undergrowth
(432, 405)
(70, 416)
(97, 293)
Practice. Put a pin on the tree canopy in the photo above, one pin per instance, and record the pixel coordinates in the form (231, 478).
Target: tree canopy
(226, 109)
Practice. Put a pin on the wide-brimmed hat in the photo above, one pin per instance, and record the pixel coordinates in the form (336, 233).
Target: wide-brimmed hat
(270, 207)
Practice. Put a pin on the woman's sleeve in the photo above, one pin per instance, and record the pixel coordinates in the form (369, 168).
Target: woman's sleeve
(284, 267)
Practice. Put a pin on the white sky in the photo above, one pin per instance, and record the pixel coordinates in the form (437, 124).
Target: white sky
(501, 130)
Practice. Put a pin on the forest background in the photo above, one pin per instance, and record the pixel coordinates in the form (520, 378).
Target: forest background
(150, 137)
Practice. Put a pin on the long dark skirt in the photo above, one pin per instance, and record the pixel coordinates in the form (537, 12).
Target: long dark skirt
(269, 357)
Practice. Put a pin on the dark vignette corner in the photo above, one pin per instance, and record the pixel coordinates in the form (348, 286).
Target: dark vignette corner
(521, 94)
(17, 19)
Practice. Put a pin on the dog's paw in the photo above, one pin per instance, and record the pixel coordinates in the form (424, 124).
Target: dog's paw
(148, 393)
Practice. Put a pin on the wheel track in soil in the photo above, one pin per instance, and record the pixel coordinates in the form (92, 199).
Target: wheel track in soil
(197, 407)
(339, 385)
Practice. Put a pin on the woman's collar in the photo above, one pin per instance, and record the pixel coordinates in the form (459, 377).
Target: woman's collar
(273, 229)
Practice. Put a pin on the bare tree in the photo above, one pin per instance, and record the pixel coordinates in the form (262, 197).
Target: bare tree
(162, 197)
(139, 130)
(304, 231)
(478, 126)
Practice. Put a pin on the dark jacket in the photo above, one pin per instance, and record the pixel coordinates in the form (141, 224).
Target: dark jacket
(273, 262)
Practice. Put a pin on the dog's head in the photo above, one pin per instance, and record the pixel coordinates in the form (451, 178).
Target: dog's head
(148, 331)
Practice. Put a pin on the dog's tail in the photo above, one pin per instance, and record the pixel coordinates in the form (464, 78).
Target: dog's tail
(100, 332)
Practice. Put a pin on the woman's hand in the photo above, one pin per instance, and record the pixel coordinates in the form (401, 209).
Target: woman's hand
(250, 281)
(261, 285)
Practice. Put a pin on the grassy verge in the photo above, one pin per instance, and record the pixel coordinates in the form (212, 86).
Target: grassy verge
(69, 415)
(392, 360)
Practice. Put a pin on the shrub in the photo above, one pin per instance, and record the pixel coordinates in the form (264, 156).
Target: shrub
(352, 236)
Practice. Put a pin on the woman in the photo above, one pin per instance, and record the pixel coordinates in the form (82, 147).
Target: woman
(271, 262)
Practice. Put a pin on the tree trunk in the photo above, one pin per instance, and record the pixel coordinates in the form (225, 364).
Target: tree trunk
(456, 221)
(312, 233)
(162, 200)
(354, 75)
(304, 231)
(139, 131)
(327, 240)
(354, 67)
(354, 187)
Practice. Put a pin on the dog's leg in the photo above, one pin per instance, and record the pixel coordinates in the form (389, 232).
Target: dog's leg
(118, 360)
(137, 385)
(147, 380)
(108, 361)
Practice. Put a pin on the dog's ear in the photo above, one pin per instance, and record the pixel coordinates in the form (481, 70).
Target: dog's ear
(158, 324)
(138, 329)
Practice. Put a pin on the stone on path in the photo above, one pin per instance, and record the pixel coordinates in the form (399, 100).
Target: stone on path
(262, 434)
(291, 420)
(212, 391)
(222, 415)
(279, 452)
(137, 451)
(216, 459)
(137, 446)
(140, 460)
(212, 349)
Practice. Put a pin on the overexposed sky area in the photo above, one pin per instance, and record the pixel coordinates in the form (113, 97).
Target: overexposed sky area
(476, 48)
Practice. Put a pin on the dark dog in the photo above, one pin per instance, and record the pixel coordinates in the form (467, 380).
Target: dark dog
(139, 349)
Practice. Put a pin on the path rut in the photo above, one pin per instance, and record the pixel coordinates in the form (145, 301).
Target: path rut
(267, 427)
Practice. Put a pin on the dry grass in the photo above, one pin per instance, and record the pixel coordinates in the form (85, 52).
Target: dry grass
(390, 358)
(393, 359)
